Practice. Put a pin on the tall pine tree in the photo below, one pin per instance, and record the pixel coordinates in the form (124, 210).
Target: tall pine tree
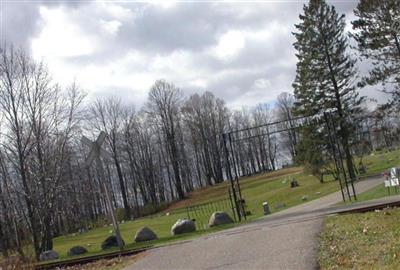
(377, 32)
(326, 75)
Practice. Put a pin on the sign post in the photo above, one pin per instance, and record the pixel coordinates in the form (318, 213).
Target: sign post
(95, 155)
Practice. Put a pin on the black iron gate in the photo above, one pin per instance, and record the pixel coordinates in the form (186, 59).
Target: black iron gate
(201, 213)
(335, 146)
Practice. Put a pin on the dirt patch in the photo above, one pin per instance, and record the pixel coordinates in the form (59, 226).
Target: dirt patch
(16, 263)
(110, 264)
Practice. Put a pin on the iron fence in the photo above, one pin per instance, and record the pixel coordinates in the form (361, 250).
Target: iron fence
(201, 213)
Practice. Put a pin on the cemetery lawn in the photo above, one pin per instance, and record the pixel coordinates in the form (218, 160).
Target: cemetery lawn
(257, 189)
(378, 163)
(273, 187)
(361, 241)
(377, 193)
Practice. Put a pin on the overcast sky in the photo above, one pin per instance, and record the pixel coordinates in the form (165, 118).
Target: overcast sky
(240, 51)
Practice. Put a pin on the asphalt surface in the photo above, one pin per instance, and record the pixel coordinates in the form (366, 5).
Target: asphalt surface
(285, 240)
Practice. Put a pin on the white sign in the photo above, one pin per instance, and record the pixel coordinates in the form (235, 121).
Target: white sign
(394, 182)
(394, 176)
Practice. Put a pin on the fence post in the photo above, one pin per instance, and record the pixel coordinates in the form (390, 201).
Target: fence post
(188, 212)
(232, 205)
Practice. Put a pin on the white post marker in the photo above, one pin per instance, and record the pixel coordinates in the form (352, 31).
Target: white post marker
(394, 177)
(95, 154)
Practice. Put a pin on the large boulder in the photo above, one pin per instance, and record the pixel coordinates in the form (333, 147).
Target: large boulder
(77, 250)
(145, 234)
(183, 226)
(110, 242)
(48, 255)
(219, 218)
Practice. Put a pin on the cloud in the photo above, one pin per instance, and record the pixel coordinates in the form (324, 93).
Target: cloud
(242, 52)
(229, 45)
(60, 37)
(21, 20)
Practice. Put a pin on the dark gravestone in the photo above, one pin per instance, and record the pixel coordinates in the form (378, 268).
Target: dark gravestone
(266, 209)
(294, 183)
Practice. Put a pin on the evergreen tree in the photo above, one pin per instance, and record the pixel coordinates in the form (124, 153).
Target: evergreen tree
(377, 32)
(325, 79)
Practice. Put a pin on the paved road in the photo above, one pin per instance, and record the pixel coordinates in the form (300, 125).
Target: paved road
(285, 240)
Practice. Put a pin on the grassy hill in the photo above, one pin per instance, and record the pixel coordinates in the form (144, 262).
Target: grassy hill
(273, 187)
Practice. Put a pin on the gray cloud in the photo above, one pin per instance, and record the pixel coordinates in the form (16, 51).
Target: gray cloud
(176, 43)
(21, 19)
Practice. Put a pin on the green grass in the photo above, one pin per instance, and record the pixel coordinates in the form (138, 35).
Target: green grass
(380, 161)
(377, 192)
(95, 237)
(361, 241)
(255, 190)
(270, 187)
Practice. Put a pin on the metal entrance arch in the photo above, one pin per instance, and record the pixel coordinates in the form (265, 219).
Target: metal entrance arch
(334, 145)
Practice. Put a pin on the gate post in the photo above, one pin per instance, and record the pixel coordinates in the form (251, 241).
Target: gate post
(231, 177)
(334, 154)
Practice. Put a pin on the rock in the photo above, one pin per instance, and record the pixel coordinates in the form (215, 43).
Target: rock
(304, 198)
(145, 234)
(183, 226)
(219, 218)
(77, 250)
(48, 255)
(110, 242)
